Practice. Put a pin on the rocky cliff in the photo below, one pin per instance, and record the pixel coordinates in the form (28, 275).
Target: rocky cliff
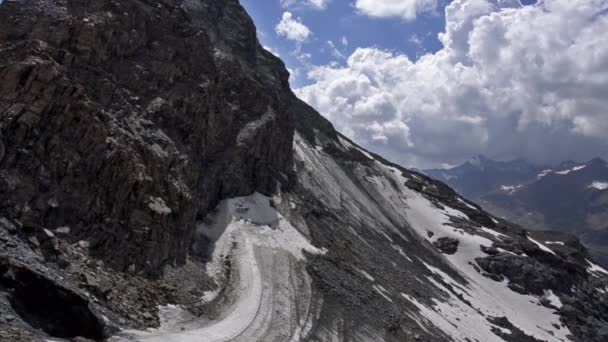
(127, 120)
(160, 182)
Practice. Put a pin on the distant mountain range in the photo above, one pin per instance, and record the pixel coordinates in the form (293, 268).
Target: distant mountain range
(570, 197)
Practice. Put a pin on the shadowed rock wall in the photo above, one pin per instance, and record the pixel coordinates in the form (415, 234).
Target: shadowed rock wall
(127, 120)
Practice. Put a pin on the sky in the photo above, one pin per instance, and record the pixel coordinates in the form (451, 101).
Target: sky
(430, 83)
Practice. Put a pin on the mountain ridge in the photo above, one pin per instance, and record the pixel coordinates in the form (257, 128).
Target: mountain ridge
(567, 197)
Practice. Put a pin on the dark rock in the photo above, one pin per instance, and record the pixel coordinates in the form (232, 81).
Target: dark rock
(2, 149)
(78, 145)
(90, 281)
(9, 226)
(490, 250)
(495, 277)
(532, 275)
(447, 245)
(48, 305)
(62, 262)
(514, 335)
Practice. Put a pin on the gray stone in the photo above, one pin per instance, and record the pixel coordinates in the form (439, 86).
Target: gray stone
(63, 231)
(2, 149)
(84, 244)
(447, 245)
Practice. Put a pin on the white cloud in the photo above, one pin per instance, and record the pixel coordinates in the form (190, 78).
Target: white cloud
(344, 41)
(315, 4)
(405, 9)
(510, 81)
(334, 50)
(292, 28)
(414, 39)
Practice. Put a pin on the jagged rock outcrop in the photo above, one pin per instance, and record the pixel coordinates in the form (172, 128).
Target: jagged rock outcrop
(447, 245)
(127, 120)
(48, 305)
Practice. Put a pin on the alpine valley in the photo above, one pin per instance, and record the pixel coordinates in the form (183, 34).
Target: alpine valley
(159, 181)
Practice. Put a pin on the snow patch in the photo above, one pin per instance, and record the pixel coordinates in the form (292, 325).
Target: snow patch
(383, 292)
(541, 246)
(158, 205)
(599, 185)
(544, 173)
(366, 275)
(400, 250)
(511, 189)
(348, 145)
(574, 169)
(553, 299)
(467, 204)
(170, 317)
(593, 268)
(493, 233)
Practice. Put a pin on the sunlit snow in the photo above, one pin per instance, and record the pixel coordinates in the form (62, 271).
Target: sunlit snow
(574, 169)
(599, 185)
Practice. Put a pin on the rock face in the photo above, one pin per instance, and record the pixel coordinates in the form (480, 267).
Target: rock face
(153, 154)
(49, 306)
(447, 245)
(127, 120)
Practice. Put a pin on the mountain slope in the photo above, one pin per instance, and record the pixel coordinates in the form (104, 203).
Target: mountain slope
(265, 225)
(570, 197)
(481, 175)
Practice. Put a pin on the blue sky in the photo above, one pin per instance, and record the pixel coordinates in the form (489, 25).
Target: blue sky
(430, 83)
(340, 19)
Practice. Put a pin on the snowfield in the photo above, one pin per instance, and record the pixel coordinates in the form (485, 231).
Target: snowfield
(487, 298)
(267, 293)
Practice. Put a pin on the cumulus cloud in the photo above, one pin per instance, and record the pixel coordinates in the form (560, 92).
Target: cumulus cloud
(315, 4)
(511, 81)
(405, 9)
(292, 28)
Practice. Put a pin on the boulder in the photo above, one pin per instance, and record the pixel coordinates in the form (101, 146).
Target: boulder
(46, 304)
(447, 245)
